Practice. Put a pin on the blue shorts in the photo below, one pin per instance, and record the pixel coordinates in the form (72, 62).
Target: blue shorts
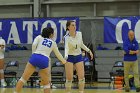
(39, 61)
(74, 59)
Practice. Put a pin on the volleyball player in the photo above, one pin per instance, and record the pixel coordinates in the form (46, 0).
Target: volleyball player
(2, 50)
(41, 49)
(73, 45)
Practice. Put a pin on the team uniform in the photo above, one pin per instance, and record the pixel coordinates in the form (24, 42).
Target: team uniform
(73, 47)
(41, 49)
(2, 43)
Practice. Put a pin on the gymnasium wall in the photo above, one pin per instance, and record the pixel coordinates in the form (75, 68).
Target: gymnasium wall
(91, 13)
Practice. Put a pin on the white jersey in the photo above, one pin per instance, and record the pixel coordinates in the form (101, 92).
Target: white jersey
(45, 46)
(73, 45)
(2, 42)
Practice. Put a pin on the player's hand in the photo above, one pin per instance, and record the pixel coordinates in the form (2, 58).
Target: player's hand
(91, 55)
(64, 62)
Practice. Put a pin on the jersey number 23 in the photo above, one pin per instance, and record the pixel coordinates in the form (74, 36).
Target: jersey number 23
(47, 43)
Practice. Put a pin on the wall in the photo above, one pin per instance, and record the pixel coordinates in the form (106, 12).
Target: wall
(91, 12)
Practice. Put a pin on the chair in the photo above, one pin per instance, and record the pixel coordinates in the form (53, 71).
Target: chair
(57, 73)
(10, 72)
(33, 79)
(117, 75)
(88, 69)
(88, 72)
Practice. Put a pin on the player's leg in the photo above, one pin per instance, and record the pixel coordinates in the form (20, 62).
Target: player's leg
(80, 72)
(29, 69)
(69, 76)
(45, 77)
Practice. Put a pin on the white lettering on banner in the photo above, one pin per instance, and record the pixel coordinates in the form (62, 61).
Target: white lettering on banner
(53, 25)
(30, 25)
(62, 26)
(15, 28)
(118, 30)
(0, 26)
(137, 31)
(13, 35)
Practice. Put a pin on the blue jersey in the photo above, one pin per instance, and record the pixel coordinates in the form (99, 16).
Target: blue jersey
(130, 45)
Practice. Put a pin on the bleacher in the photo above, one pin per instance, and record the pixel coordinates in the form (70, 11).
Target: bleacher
(105, 60)
(22, 56)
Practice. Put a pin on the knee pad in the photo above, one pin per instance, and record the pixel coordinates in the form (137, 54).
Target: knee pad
(47, 86)
(82, 81)
(68, 83)
(1, 71)
(23, 80)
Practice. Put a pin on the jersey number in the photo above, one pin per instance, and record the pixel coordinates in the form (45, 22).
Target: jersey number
(47, 43)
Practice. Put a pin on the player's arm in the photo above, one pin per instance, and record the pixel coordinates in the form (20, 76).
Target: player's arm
(34, 45)
(85, 48)
(66, 47)
(58, 54)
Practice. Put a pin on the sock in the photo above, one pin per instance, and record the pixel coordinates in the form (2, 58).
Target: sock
(2, 81)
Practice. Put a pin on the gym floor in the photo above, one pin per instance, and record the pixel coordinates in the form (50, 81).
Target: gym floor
(96, 88)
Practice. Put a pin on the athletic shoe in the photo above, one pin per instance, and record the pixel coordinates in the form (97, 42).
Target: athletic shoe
(127, 89)
(53, 86)
(138, 89)
(4, 84)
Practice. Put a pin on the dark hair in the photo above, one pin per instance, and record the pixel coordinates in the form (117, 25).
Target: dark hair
(68, 24)
(46, 32)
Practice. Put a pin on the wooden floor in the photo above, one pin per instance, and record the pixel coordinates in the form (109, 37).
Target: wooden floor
(38, 90)
(96, 88)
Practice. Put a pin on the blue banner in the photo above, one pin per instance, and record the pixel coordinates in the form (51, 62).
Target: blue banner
(24, 30)
(116, 29)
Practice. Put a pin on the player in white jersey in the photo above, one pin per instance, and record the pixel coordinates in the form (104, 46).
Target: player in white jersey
(2, 50)
(73, 44)
(41, 49)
